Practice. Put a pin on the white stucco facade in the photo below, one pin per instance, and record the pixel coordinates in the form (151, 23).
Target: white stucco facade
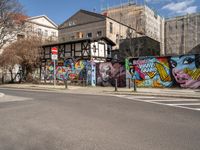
(42, 26)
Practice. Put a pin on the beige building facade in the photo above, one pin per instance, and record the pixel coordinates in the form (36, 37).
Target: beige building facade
(85, 24)
(141, 18)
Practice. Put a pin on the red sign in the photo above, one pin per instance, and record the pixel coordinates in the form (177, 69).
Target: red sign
(54, 50)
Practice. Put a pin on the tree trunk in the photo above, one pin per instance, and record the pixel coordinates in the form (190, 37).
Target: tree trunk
(11, 76)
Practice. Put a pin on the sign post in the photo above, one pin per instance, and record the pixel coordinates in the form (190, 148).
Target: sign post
(54, 57)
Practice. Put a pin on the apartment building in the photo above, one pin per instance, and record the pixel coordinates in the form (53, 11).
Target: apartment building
(41, 26)
(85, 24)
(182, 34)
(141, 18)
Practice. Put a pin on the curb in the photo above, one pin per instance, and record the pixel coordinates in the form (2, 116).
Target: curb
(154, 94)
(110, 93)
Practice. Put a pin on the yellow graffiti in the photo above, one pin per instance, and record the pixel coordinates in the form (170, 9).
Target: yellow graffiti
(139, 82)
(162, 72)
(157, 84)
(79, 65)
(194, 74)
(151, 74)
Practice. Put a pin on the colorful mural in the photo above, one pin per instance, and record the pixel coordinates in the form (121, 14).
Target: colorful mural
(108, 72)
(186, 70)
(72, 70)
(182, 71)
(151, 72)
(177, 71)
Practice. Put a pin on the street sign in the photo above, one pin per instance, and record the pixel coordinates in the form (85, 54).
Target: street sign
(54, 56)
(54, 50)
(54, 53)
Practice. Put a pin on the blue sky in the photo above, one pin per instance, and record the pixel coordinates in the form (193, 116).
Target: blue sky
(60, 10)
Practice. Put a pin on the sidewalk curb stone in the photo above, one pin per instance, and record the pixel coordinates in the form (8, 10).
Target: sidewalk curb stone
(101, 91)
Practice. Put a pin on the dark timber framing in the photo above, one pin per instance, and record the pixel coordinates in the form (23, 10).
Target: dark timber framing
(72, 51)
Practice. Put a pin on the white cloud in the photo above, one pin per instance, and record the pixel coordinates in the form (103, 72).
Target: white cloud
(157, 1)
(183, 7)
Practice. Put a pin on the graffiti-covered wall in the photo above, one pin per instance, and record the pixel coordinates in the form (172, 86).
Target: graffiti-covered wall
(150, 72)
(107, 73)
(179, 71)
(186, 70)
(72, 70)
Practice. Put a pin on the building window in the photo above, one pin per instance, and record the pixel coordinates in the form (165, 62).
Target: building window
(117, 38)
(39, 31)
(109, 51)
(72, 23)
(99, 33)
(72, 37)
(111, 27)
(94, 48)
(53, 33)
(46, 33)
(79, 35)
(89, 35)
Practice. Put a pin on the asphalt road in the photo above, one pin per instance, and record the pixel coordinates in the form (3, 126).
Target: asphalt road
(52, 121)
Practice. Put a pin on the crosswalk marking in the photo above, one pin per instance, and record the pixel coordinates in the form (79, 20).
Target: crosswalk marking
(165, 101)
(175, 100)
(9, 98)
(184, 104)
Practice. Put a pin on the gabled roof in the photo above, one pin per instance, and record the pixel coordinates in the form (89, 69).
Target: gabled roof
(93, 14)
(100, 16)
(43, 16)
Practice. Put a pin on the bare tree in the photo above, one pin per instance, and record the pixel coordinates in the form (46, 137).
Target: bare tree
(11, 20)
(8, 60)
(24, 52)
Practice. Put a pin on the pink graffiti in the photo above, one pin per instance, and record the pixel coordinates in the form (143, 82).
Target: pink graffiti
(185, 80)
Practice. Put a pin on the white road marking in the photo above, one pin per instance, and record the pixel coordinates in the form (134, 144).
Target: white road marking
(2, 94)
(177, 106)
(174, 100)
(183, 105)
(8, 98)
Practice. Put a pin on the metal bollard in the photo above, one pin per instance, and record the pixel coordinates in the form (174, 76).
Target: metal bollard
(129, 83)
(66, 84)
(116, 85)
(135, 89)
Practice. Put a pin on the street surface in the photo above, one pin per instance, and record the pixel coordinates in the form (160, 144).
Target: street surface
(32, 120)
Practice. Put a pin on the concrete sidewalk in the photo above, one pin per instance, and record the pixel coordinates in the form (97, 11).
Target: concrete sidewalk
(164, 92)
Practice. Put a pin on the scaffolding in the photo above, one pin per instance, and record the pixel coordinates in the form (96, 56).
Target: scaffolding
(182, 34)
